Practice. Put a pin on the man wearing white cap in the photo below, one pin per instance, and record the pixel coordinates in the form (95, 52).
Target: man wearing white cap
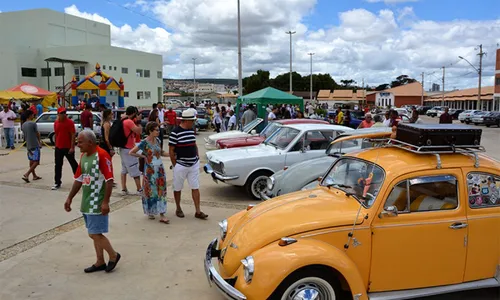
(184, 157)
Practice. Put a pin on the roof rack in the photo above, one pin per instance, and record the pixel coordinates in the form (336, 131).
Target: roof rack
(471, 150)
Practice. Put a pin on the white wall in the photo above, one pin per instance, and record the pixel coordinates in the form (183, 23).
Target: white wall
(40, 34)
(384, 99)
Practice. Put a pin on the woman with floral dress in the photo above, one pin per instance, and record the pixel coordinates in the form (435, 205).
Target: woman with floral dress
(154, 184)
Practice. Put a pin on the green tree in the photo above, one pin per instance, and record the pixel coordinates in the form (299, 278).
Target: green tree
(256, 81)
(347, 83)
(402, 80)
(382, 87)
(282, 82)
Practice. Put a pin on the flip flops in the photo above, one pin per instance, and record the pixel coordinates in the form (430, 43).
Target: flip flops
(165, 221)
(37, 178)
(26, 179)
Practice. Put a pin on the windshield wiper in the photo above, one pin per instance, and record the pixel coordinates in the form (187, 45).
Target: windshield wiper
(339, 185)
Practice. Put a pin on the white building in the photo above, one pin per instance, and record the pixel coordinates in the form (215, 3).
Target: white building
(47, 48)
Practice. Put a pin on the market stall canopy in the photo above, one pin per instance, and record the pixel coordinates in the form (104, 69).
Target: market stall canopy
(31, 89)
(6, 95)
(271, 95)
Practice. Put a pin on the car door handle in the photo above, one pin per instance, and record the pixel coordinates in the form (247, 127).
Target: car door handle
(458, 225)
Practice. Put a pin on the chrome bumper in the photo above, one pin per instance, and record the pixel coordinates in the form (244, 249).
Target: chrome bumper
(213, 277)
(263, 195)
(216, 176)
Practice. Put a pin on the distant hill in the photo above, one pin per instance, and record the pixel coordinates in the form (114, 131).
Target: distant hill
(209, 80)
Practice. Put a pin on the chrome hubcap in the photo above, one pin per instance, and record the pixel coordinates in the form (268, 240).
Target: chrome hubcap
(308, 291)
(259, 185)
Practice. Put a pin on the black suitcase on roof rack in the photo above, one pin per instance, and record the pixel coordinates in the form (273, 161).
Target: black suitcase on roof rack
(438, 135)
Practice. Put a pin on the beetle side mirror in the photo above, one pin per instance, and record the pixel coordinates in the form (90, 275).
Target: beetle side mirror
(253, 132)
(390, 211)
(320, 179)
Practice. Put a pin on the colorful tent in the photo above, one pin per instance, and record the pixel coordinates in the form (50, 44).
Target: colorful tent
(33, 90)
(6, 95)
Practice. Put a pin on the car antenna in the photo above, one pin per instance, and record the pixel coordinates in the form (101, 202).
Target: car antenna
(350, 235)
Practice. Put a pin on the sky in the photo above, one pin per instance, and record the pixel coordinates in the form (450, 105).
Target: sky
(365, 40)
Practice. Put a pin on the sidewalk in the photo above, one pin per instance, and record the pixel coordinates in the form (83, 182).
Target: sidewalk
(158, 261)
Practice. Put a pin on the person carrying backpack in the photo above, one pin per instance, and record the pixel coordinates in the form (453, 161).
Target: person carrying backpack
(123, 134)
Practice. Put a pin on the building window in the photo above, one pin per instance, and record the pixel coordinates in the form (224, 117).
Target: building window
(497, 81)
(146, 73)
(140, 95)
(114, 68)
(138, 72)
(104, 67)
(125, 94)
(159, 75)
(59, 71)
(28, 72)
(147, 95)
(46, 72)
(124, 70)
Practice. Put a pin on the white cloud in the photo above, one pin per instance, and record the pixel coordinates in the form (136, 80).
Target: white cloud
(375, 46)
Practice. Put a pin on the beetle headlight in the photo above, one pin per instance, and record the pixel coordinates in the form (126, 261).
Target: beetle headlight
(248, 267)
(270, 183)
(222, 168)
(223, 229)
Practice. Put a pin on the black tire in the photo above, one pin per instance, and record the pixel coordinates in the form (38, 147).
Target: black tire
(309, 274)
(52, 138)
(256, 176)
(462, 121)
(476, 124)
(488, 125)
(467, 122)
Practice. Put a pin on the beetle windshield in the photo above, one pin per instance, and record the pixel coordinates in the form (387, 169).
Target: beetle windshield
(357, 178)
(283, 137)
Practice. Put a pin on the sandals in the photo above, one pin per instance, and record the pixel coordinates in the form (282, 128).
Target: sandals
(151, 217)
(201, 215)
(165, 221)
(37, 178)
(179, 213)
(26, 179)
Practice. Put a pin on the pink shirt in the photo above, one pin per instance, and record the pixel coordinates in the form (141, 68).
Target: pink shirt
(127, 128)
(4, 116)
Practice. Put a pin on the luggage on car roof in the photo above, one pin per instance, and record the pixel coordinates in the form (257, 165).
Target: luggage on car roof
(438, 135)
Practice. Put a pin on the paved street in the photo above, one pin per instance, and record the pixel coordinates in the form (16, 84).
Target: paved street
(43, 249)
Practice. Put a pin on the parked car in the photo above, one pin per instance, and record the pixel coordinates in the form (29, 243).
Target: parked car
(174, 103)
(271, 128)
(492, 119)
(251, 166)
(455, 112)
(422, 109)
(385, 223)
(356, 117)
(248, 131)
(466, 116)
(402, 111)
(433, 112)
(300, 175)
(45, 123)
(477, 119)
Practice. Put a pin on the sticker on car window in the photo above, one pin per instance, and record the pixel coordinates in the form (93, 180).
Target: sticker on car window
(483, 190)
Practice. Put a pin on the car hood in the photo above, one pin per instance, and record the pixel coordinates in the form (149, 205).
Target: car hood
(227, 134)
(225, 155)
(242, 141)
(316, 165)
(287, 216)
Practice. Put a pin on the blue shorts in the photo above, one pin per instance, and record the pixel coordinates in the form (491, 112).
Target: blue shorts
(96, 224)
(34, 154)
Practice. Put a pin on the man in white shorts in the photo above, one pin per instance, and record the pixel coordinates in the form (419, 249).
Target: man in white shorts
(184, 157)
(130, 164)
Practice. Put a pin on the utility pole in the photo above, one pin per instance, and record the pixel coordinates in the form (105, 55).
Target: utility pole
(290, 33)
(422, 98)
(442, 101)
(240, 71)
(480, 72)
(311, 79)
(194, 78)
(363, 89)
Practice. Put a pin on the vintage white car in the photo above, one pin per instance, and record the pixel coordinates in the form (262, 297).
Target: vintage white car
(248, 130)
(252, 166)
(304, 175)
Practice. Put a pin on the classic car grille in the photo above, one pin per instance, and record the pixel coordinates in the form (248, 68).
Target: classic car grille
(216, 167)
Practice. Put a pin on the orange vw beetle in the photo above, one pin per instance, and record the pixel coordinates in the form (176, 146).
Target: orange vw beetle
(397, 221)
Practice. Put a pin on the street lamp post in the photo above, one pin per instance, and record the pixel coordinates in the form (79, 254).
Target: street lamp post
(194, 78)
(479, 72)
(290, 33)
(311, 79)
(240, 72)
